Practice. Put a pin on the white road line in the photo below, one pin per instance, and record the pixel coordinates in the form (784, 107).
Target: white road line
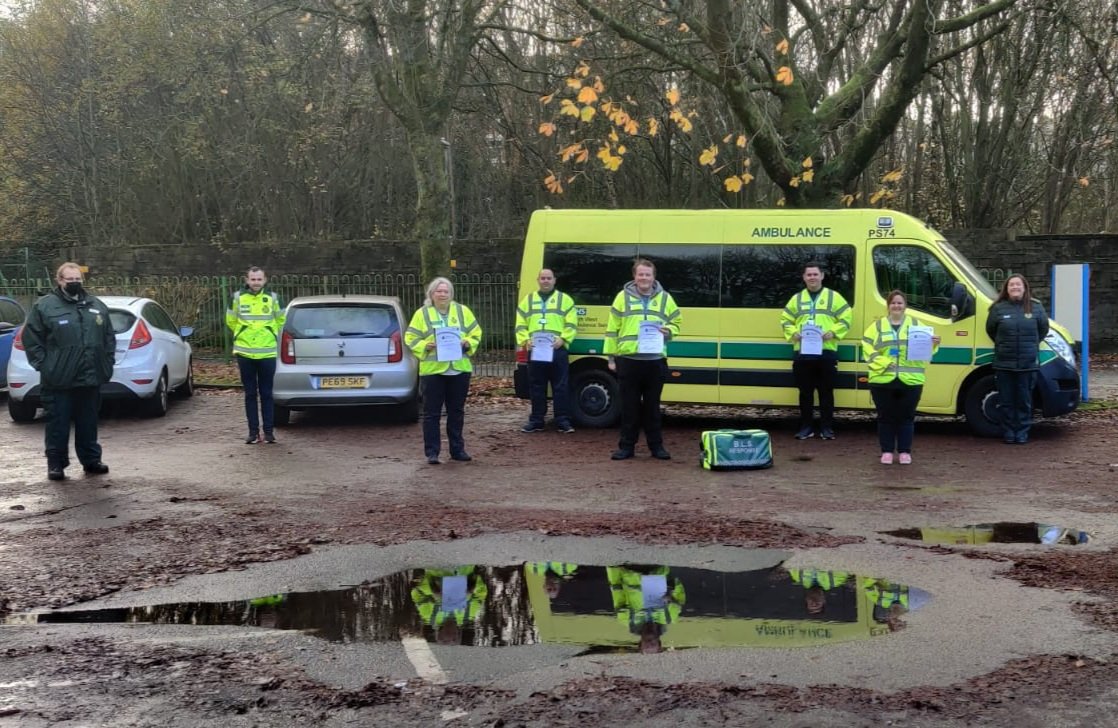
(423, 660)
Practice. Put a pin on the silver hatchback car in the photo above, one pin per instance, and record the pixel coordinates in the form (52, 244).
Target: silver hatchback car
(345, 351)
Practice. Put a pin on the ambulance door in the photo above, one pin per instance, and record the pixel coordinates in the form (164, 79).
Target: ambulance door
(916, 269)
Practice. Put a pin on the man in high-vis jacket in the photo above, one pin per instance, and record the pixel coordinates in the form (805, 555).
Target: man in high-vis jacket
(256, 317)
(822, 312)
(546, 319)
(642, 319)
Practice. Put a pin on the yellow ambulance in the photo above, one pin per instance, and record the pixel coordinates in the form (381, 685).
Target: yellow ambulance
(733, 271)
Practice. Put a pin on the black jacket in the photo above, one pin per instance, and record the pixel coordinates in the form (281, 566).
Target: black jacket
(1017, 335)
(71, 343)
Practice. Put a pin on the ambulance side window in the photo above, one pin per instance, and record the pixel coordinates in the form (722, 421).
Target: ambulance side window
(591, 274)
(689, 272)
(766, 276)
(918, 273)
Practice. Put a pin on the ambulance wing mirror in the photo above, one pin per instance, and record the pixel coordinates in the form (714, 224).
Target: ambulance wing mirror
(962, 302)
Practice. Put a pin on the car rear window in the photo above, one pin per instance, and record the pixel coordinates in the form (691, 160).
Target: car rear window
(121, 320)
(334, 320)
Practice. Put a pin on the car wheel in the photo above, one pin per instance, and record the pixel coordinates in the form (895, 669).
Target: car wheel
(281, 415)
(595, 398)
(21, 411)
(157, 405)
(981, 407)
(186, 389)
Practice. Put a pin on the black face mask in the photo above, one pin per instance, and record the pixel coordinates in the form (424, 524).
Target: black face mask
(72, 288)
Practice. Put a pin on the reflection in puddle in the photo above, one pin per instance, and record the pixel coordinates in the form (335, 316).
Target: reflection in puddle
(1003, 532)
(617, 608)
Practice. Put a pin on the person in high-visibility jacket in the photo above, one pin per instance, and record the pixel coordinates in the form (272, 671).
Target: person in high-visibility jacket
(256, 318)
(445, 608)
(816, 583)
(637, 599)
(896, 382)
(554, 573)
(444, 372)
(547, 318)
(641, 310)
(830, 316)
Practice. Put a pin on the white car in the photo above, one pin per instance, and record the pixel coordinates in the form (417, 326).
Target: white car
(153, 359)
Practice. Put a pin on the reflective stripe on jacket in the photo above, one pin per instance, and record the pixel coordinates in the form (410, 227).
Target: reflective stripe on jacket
(629, 309)
(825, 580)
(554, 315)
(421, 330)
(628, 597)
(878, 344)
(829, 311)
(256, 320)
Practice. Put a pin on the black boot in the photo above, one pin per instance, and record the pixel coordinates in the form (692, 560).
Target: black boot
(55, 471)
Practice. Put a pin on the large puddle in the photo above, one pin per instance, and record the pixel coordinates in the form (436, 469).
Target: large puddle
(617, 608)
(1002, 532)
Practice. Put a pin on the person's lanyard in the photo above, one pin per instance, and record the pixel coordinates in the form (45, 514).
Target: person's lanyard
(543, 308)
(811, 313)
(444, 319)
(646, 301)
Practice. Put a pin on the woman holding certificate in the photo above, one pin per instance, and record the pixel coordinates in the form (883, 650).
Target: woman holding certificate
(443, 334)
(896, 349)
(641, 321)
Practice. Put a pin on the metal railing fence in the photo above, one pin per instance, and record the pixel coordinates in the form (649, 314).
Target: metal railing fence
(201, 302)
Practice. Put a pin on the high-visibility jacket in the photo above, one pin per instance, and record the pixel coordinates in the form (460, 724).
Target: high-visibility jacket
(256, 320)
(429, 603)
(829, 311)
(628, 597)
(554, 315)
(558, 568)
(421, 330)
(886, 353)
(886, 593)
(825, 580)
(629, 309)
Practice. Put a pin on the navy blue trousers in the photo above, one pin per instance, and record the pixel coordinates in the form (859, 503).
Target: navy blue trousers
(257, 376)
(896, 414)
(540, 375)
(1015, 403)
(451, 391)
(78, 405)
(641, 382)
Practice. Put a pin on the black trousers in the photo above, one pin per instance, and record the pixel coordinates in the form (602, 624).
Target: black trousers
(78, 405)
(1015, 402)
(555, 373)
(641, 382)
(258, 375)
(896, 414)
(451, 391)
(816, 373)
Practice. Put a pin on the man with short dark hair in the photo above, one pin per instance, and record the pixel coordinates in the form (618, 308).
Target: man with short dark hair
(69, 340)
(256, 318)
(829, 317)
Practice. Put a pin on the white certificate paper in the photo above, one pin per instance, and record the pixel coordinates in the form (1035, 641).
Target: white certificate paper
(920, 343)
(654, 590)
(543, 346)
(448, 343)
(811, 340)
(650, 339)
(454, 593)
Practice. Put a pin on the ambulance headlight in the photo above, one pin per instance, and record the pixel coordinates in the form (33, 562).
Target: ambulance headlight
(1061, 346)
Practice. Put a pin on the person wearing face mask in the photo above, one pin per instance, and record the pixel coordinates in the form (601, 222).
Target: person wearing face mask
(69, 340)
(256, 318)
(641, 309)
(896, 382)
(1017, 324)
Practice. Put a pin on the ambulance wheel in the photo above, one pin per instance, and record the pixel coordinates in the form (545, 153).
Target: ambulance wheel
(595, 398)
(981, 407)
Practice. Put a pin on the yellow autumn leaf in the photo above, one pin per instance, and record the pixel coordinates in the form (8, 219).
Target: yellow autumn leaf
(709, 155)
(681, 121)
(609, 161)
(1084, 182)
(587, 113)
(632, 127)
(567, 107)
(807, 163)
(732, 184)
(553, 185)
(745, 163)
(780, 202)
(808, 175)
(782, 47)
(587, 95)
(545, 100)
(577, 42)
(569, 151)
(574, 83)
(672, 96)
(876, 197)
(726, 139)
(784, 75)
(740, 141)
(653, 127)
(598, 85)
(309, 107)
(894, 175)
(613, 136)
(662, 22)
(746, 178)
(684, 27)
(582, 156)
(621, 149)
(794, 182)
(583, 70)
(848, 200)
(547, 128)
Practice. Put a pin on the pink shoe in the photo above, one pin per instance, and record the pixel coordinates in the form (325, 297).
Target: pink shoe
(906, 458)
(886, 458)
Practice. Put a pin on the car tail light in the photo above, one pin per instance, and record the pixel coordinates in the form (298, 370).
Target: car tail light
(141, 336)
(395, 347)
(17, 342)
(287, 348)
(522, 355)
